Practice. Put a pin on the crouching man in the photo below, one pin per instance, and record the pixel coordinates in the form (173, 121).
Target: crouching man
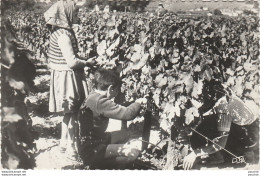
(233, 128)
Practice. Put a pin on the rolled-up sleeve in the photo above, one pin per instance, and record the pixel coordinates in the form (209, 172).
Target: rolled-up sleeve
(109, 109)
(65, 45)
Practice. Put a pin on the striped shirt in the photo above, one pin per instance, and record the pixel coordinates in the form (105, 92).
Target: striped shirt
(232, 111)
(56, 59)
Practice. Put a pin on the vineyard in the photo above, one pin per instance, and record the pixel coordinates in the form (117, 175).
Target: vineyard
(165, 58)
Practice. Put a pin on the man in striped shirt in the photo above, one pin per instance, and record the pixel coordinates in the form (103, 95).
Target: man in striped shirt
(232, 127)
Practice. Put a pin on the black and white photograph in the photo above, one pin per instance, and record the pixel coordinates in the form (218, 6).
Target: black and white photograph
(130, 85)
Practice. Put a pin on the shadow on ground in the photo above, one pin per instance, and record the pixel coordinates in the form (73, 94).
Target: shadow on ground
(43, 87)
(41, 108)
(49, 132)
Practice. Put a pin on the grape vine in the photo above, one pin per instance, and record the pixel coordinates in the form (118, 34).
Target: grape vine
(170, 57)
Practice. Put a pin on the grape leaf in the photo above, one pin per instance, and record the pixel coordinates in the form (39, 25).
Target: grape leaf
(208, 74)
(230, 72)
(165, 124)
(249, 67)
(163, 52)
(174, 60)
(249, 85)
(163, 82)
(171, 82)
(159, 78)
(188, 81)
(136, 57)
(197, 89)
(190, 114)
(239, 68)
(238, 89)
(196, 103)
(254, 94)
(101, 48)
(141, 63)
(230, 81)
(177, 110)
(156, 96)
(243, 36)
(146, 69)
(152, 52)
(197, 68)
